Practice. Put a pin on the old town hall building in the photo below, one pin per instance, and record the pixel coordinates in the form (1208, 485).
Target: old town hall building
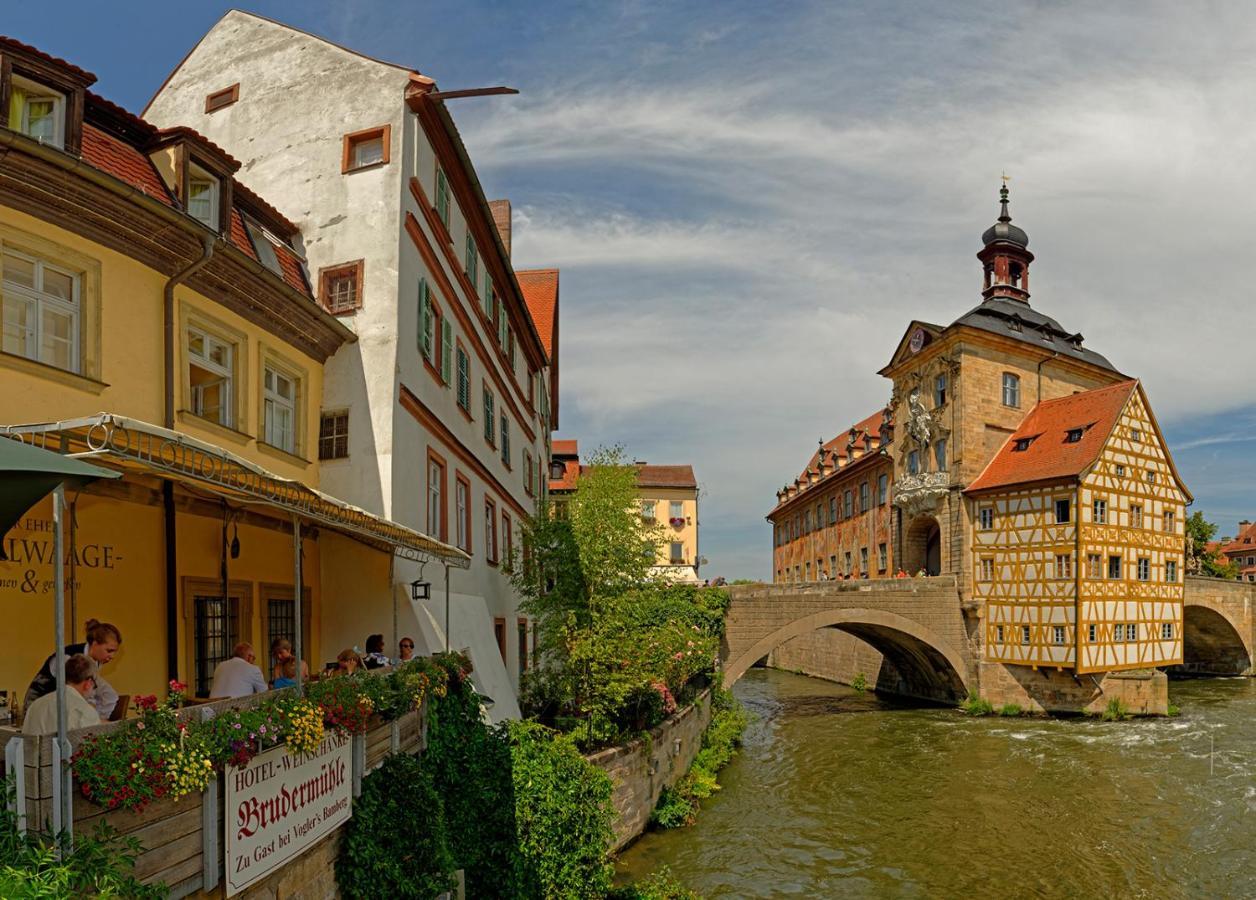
(1017, 459)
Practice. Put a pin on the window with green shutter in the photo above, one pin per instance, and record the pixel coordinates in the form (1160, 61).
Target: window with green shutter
(488, 297)
(502, 325)
(446, 351)
(442, 196)
(426, 337)
(505, 440)
(489, 419)
(464, 380)
(472, 262)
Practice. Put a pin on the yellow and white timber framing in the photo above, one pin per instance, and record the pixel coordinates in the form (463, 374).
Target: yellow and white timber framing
(1101, 590)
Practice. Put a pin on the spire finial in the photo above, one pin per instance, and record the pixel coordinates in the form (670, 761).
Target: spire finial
(1004, 215)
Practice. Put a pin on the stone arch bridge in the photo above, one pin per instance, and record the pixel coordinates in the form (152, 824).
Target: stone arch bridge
(916, 624)
(921, 628)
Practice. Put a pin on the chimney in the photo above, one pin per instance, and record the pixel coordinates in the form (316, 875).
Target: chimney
(501, 218)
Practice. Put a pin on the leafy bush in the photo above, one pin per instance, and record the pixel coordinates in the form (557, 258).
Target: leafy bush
(976, 706)
(1115, 711)
(1010, 710)
(1173, 710)
(563, 816)
(860, 682)
(100, 865)
(662, 885)
(470, 767)
(395, 846)
(678, 805)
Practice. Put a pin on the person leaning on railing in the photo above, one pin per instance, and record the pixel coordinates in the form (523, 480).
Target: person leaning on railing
(41, 715)
(103, 641)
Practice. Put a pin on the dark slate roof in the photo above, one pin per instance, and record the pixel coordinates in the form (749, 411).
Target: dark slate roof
(1015, 319)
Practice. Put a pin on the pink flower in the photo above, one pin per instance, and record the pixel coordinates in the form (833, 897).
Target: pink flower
(678, 655)
(139, 725)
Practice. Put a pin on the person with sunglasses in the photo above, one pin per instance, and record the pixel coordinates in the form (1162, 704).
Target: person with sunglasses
(80, 678)
(407, 649)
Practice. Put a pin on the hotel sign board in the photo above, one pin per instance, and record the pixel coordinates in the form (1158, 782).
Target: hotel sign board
(280, 805)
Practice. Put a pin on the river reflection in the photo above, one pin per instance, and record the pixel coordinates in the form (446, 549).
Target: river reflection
(837, 793)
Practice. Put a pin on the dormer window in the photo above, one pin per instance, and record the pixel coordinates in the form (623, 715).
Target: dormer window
(203, 197)
(1022, 444)
(1074, 435)
(36, 111)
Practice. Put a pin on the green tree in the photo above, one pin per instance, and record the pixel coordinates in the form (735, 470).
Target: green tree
(1199, 559)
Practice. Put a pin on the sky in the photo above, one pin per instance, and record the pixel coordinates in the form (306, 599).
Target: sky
(749, 202)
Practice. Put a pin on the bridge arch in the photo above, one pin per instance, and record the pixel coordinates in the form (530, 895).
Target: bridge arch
(1212, 642)
(931, 667)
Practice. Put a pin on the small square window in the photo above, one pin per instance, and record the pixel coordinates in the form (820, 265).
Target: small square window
(1114, 566)
(1151, 477)
(1136, 434)
(1092, 633)
(340, 288)
(364, 149)
(1073, 436)
(1166, 631)
(987, 569)
(1120, 471)
(1100, 512)
(998, 634)
(1057, 634)
(1063, 511)
(218, 99)
(1022, 444)
(985, 518)
(1024, 634)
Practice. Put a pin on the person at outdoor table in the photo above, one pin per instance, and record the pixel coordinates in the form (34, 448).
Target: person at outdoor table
(375, 657)
(407, 649)
(41, 716)
(103, 641)
(348, 662)
(238, 676)
(284, 668)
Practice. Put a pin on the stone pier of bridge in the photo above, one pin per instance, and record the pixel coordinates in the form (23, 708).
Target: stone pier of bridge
(915, 637)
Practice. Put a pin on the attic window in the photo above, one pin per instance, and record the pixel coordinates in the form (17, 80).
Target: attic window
(1022, 444)
(218, 99)
(364, 149)
(1074, 435)
(263, 246)
(203, 193)
(37, 111)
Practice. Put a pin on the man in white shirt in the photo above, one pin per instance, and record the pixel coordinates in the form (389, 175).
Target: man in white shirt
(238, 676)
(41, 715)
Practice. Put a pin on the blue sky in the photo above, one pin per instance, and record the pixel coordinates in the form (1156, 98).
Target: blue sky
(749, 202)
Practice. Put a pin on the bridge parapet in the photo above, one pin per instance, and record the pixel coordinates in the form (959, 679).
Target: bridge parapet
(1220, 624)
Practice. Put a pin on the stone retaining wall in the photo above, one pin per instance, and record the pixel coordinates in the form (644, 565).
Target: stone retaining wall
(641, 769)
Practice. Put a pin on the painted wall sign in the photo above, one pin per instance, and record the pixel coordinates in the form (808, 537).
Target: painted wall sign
(280, 805)
(28, 563)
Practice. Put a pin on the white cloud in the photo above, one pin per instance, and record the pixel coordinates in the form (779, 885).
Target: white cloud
(754, 233)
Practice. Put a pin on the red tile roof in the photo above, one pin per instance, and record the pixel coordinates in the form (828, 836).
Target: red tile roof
(571, 474)
(840, 444)
(666, 476)
(13, 44)
(1244, 541)
(561, 447)
(123, 162)
(540, 292)
(1049, 457)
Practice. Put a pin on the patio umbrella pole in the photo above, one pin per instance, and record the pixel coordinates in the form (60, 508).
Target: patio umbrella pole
(446, 607)
(298, 601)
(63, 818)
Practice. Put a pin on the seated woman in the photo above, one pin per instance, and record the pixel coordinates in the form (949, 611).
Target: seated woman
(103, 641)
(348, 662)
(284, 667)
(375, 657)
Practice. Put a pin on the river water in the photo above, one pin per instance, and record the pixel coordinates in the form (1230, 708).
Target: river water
(841, 794)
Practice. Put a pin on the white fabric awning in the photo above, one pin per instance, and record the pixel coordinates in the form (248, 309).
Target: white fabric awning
(134, 446)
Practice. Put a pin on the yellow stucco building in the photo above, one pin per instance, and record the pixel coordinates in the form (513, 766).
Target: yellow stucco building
(158, 320)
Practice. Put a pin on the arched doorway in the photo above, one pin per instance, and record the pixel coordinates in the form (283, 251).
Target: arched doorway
(922, 546)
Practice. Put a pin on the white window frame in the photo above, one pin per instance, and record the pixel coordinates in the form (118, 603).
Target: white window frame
(462, 502)
(1011, 390)
(273, 401)
(1058, 634)
(985, 518)
(33, 90)
(38, 303)
(1166, 631)
(435, 479)
(1099, 511)
(198, 174)
(647, 509)
(1170, 571)
(226, 411)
